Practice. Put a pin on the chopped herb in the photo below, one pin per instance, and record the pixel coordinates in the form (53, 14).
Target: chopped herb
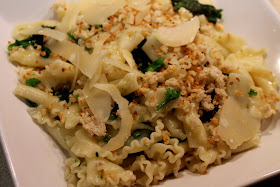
(62, 94)
(31, 40)
(196, 8)
(113, 114)
(253, 92)
(50, 27)
(112, 117)
(32, 82)
(98, 26)
(88, 48)
(226, 74)
(31, 104)
(170, 94)
(107, 138)
(156, 65)
(73, 37)
(101, 176)
(140, 119)
(76, 160)
(136, 134)
(47, 51)
(97, 154)
(78, 96)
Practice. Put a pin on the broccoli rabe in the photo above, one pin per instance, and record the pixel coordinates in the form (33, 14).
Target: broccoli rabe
(156, 65)
(31, 40)
(170, 94)
(253, 92)
(196, 8)
(32, 82)
(49, 27)
(73, 37)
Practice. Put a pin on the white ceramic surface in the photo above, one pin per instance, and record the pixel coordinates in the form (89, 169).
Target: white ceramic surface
(36, 160)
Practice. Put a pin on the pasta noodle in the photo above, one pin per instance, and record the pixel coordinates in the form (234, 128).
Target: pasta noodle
(135, 90)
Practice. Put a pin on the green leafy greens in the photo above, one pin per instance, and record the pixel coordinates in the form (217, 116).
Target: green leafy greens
(32, 82)
(196, 8)
(62, 94)
(47, 51)
(170, 94)
(73, 37)
(113, 114)
(156, 65)
(253, 92)
(32, 40)
(50, 27)
(31, 104)
(107, 138)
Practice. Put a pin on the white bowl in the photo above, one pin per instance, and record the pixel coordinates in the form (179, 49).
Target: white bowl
(36, 160)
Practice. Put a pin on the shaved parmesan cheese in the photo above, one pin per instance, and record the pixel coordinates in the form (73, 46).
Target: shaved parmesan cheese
(236, 124)
(97, 11)
(99, 101)
(129, 58)
(22, 31)
(125, 115)
(131, 38)
(238, 87)
(179, 35)
(138, 4)
(128, 84)
(70, 18)
(118, 65)
(151, 46)
(60, 36)
(87, 64)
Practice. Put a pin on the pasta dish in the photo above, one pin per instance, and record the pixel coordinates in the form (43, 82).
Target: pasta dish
(137, 90)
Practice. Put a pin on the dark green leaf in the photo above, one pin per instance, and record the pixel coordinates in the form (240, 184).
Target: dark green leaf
(31, 40)
(170, 94)
(226, 74)
(50, 27)
(136, 134)
(32, 82)
(140, 57)
(130, 97)
(31, 104)
(196, 8)
(88, 48)
(156, 65)
(253, 92)
(47, 50)
(89, 27)
(113, 114)
(62, 94)
(107, 138)
(112, 117)
(98, 26)
(73, 37)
